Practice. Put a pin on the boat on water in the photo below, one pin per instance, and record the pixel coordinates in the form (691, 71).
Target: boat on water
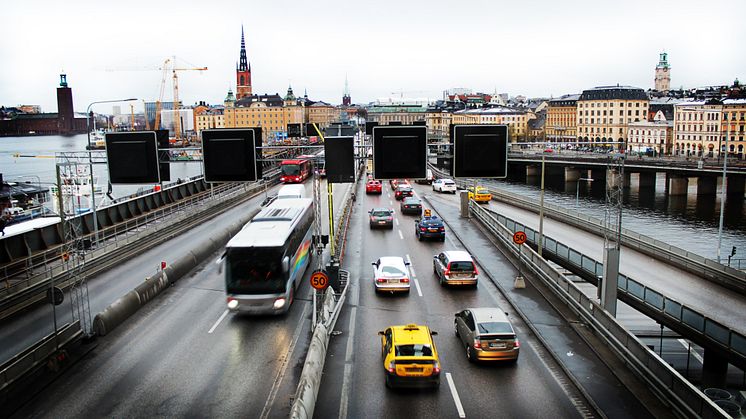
(17, 214)
(98, 140)
(77, 193)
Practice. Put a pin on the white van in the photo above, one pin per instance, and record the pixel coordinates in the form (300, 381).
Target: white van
(428, 178)
(291, 191)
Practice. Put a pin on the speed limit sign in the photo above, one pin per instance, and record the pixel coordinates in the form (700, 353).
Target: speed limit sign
(519, 237)
(319, 280)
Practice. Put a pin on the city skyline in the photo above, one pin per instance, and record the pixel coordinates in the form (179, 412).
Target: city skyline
(536, 49)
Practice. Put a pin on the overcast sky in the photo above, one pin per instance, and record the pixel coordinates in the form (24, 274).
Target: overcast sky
(112, 50)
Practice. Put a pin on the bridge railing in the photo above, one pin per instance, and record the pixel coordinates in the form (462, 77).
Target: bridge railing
(681, 395)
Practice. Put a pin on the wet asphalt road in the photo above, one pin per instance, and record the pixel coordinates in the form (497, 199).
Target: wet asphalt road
(353, 385)
(183, 355)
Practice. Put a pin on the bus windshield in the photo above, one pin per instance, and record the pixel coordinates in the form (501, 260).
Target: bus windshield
(254, 270)
(290, 169)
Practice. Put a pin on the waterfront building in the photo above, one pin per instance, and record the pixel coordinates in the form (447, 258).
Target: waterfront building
(604, 113)
(733, 127)
(651, 137)
(243, 72)
(537, 126)
(29, 108)
(697, 128)
(561, 123)
(406, 114)
(438, 121)
(63, 122)
(210, 118)
(272, 113)
(515, 119)
(320, 113)
(663, 74)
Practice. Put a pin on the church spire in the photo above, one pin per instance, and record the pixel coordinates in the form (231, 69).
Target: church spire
(243, 63)
(346, 100)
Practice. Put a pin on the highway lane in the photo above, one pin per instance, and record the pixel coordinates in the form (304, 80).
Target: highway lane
(719, 303)
(182, 355)
(535, 387)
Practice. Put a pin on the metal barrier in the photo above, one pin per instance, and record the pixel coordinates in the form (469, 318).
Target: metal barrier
(37, 354)
(681, 395)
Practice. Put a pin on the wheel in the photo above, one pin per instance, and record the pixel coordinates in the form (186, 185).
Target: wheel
(470, 354)
(443, 238)
(388, 382)
(419, 237)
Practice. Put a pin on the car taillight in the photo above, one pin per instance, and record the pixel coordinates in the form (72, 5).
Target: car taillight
(390, 218)
(436, 367)
(372, 218)
(405, 280)
(477, 343)
(422, 229)
(517, 344)
(476, 271)
(447, 272)
(442, 229)
(380, 280)
(392, 367)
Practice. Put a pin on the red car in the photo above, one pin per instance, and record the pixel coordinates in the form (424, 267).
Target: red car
(395, 183)
(373, 186)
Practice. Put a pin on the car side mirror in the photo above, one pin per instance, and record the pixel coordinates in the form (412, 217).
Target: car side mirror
(380, 333)
(407, 263)
(435, 256)
(374, 264)
(434, 333)
(506, 313)
(285, 264)
(219, 261)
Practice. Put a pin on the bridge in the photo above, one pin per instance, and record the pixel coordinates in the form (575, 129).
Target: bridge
(181, 353)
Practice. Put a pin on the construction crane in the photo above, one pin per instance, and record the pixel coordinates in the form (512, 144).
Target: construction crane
(177, 119)
(158, 103)
(132, 120)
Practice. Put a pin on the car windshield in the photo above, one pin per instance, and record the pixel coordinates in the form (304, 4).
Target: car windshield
(495, 327)
(414, 350)
(412, 201)
(462, 266)
(254, 270)
(391, 270)
(380, 213)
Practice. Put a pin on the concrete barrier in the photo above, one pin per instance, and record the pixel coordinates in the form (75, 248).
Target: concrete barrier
(127, 305)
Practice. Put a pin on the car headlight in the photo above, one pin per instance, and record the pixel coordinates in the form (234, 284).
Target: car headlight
(279, 303)
(232, 303)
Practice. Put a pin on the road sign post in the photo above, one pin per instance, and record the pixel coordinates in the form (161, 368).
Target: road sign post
(519, 238)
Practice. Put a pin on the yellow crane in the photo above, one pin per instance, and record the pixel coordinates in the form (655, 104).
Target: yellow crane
(158, 103)
(177, 119)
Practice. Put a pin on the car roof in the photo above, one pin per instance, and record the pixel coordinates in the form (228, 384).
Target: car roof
(392, 261)
(458, 255)
(382, 209)
(373, 181)
(411, 333)
(404, 186)
(486, 314)
(412, 198)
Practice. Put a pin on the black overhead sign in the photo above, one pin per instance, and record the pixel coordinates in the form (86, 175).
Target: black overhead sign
(369, 127)
(231, 155)
(480, 151)
(294, 130)
(339, 156)
(399, 152)
(132, 157)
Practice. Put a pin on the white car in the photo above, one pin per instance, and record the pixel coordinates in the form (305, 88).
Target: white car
(390, 274)
(444, 185)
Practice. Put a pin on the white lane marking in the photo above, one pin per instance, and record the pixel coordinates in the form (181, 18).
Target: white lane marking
(414, 276)
(397, 221)
(696, 355)
(212, 329)
(400, 235)
(391, 202)
(345, 397)
(456, 399)
(283, 369)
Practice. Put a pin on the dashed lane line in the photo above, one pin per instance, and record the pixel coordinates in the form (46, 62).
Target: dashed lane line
(456, 398)
(414, 276)
(222, 316)
(400, 235)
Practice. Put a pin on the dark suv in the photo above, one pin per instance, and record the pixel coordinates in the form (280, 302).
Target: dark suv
(430, 228)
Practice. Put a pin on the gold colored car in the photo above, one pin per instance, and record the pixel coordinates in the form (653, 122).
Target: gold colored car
(409, 356)
(482, 195)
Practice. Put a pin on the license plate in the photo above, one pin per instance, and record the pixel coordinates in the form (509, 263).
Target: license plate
(414, 369)
(433, 230)
(497, 345)
(382, 222)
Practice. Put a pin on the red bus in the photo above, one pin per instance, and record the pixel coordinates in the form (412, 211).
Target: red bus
(295, 171)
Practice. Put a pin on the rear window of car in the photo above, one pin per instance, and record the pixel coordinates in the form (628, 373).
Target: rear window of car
(449, 182)
(391, 270)
(373, 182)
(432, 223)
(405, 188)
(381, 213)
(494, 327)
(461, 266)
(414, 350)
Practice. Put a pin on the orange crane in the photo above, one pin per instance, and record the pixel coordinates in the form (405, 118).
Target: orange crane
(158, 102)
(177, 119)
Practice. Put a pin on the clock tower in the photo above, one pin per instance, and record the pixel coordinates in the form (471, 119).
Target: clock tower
(663, 74)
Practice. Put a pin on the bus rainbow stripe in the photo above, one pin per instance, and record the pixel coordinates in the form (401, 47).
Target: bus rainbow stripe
(300, 260)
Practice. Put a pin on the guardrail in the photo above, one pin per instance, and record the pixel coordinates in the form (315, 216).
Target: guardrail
(674, 389)
(37, 354)
(733, 279)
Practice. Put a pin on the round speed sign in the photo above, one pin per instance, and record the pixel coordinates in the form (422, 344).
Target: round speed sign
(319, 280)
(519, 237)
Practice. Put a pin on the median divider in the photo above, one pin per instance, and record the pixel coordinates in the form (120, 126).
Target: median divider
(128, 304)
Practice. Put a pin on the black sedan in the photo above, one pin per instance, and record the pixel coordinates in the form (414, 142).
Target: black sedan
(411, 205)
(381, 218)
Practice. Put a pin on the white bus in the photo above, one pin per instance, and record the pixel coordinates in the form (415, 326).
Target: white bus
(266, 260)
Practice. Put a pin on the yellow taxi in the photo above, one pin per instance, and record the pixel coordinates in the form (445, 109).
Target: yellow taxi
(409, 356)
(482, 195)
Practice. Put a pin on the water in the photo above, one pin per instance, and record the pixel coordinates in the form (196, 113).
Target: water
(689, 222)
(40, 168)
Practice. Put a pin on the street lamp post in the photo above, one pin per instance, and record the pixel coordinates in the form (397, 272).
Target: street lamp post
(577, 190)
(88, 114)
(723, 189)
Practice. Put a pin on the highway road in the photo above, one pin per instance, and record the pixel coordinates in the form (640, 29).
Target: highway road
(353, 384)
(183, 354)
